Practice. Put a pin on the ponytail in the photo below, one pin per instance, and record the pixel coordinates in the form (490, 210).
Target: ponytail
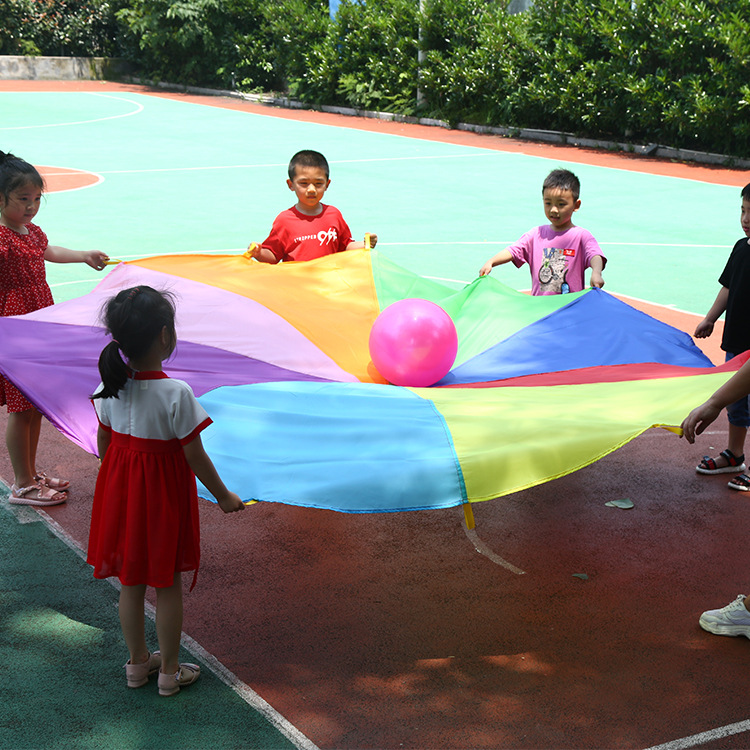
(113, 371)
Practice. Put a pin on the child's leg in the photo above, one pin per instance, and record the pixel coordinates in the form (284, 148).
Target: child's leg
(738, 415)
(737, 435)
(35, 429)
(18, 437)
(732, 459)
(132, 622)
(169, 624)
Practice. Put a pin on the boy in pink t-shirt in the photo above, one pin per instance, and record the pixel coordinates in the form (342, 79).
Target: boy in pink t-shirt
(309, 229)
(558, 253)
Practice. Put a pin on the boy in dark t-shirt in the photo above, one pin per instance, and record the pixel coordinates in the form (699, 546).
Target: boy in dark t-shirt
(734, 299)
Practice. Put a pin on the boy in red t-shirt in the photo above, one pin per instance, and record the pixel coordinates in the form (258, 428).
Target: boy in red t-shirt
(310, 229)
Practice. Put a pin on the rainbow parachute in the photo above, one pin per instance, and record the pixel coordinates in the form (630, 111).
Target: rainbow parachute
(278, 355)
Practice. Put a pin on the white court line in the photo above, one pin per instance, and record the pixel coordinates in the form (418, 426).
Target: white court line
(485, 150)
(244, 691)
(508, 242)
(285, 165)
(45, 175)
(99, 180)
(138, 108)
(704, 737)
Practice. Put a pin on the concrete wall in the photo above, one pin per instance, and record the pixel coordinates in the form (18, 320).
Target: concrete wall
(61, 68)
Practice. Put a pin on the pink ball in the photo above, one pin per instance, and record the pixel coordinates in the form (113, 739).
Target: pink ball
(413, 342)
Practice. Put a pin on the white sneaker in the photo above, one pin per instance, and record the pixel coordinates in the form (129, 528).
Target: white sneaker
(734, 619)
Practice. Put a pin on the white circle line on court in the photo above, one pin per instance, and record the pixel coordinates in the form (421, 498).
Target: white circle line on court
(243, 690)
(138, 108)
(68, 173)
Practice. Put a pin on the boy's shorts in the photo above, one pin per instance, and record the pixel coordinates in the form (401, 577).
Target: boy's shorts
(738, 413)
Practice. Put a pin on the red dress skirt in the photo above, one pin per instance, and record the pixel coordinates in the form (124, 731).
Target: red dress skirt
(145, 524)
(23, 289)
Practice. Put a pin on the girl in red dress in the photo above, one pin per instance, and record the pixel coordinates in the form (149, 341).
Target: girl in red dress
(23, 288)
(144, 522)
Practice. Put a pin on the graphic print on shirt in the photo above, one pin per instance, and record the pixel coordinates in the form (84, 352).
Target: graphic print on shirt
(324, 237)
(554, 269)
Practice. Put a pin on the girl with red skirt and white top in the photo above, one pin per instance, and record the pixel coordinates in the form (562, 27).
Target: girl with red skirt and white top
(144, 524)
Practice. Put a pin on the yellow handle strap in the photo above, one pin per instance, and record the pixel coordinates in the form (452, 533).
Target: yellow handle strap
(468, 516)
(672, 428)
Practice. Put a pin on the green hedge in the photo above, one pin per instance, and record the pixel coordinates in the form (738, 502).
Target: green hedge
(86, 28)
(674, 72)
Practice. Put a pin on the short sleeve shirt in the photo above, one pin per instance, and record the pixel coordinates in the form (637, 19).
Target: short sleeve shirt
(297, 236)
(153, 406)
(23, 281)
(736, 278)
(557, 260)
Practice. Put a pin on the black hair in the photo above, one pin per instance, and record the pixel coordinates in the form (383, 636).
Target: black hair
(308, 158)
(745, 194)
(15, 173)
(562, 179)
(134, 318)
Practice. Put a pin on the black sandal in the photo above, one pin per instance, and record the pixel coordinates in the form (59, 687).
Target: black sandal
(734, 463)
(741, 482)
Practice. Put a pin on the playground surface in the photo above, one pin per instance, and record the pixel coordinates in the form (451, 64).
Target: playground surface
(559, 623)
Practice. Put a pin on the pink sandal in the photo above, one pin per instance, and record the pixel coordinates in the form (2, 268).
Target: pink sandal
(35, 494)
(138, 674)
(59, 485)
(170, 684)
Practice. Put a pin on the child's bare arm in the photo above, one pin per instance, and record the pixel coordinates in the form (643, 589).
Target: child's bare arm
(503, 256)
(362, 245)
(706, 327)
(204, 469)
(263, 254)
(702, 416)
(597, 266)
(102, 442)
(94, 258)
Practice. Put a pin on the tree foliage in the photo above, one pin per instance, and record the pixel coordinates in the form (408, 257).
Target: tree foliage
(675, 72)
